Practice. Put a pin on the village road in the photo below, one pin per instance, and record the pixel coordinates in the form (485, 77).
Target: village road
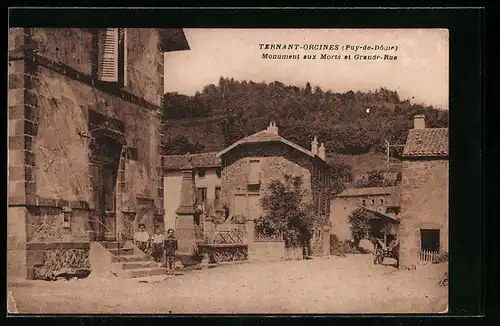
(323, 285)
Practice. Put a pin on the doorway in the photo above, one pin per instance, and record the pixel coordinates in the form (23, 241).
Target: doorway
(429, 240)
(105, 158)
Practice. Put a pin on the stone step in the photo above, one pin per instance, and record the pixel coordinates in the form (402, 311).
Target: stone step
(136, 265)
(121, 251)
(112, 244)
(130, 258)
(142, 272)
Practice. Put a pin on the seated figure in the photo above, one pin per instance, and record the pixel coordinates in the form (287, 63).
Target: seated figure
(142, 238)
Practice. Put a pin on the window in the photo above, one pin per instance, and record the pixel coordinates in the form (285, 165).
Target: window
(112, 55)
(254, 172)
(382, 201)
(253, 187)
(201, 195)
(364, 202)
(429, 239)
(201, 173)
(219, 173)
(66, 217)
(217, 193)
(373, 201)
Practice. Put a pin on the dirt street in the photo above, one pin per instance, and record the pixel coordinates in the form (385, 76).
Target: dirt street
(322, 285)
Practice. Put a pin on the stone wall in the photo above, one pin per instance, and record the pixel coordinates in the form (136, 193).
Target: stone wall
(320, 242)
(275, 162)
(342, 206)
(424, 205)
(267, 251)
(46, 259)
(51, 93)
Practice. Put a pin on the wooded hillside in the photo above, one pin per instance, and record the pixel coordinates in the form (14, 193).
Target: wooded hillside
(349, 123)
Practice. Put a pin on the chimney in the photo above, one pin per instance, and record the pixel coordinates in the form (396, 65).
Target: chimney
(322, 152)
(314, 146)
(272, 128)
(419, 121)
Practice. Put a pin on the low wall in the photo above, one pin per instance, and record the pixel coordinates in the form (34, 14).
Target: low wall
(267, 250)
(294, 253)
(46, 258)
(223, 253)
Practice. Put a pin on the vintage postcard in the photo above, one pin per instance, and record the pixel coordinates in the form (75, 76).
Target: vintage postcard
(227, 171)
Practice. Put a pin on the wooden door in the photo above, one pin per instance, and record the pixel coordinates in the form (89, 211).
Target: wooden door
(96, 184)
(108, 199)
(103, 179)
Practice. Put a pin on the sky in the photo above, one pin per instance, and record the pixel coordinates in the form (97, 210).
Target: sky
(420, 72)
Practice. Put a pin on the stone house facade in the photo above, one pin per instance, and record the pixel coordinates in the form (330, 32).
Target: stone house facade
(205, 179)
(83, 137)
(384, 200)
(424, 192)
(252, 163)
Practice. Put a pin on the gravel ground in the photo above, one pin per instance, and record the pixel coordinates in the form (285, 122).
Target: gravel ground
(322, 285)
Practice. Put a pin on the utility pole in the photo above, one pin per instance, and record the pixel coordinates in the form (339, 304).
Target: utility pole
(388, 152)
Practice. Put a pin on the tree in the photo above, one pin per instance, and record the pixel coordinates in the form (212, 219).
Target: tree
(375, 179)
(286, 210)
(181, 145)
(340, 173)
(360, 224)
(302, 112)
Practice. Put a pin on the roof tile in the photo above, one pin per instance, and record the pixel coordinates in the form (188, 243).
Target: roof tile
(426, 142)
(189, 161)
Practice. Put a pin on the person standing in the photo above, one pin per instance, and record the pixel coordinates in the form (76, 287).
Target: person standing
(171, 246)
(158, 245)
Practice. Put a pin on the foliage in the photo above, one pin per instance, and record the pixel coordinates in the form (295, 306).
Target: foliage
(375, 179)
(442, 257)
(291, 238)
(339, 120)
(239, 219)
(340, 174)
(444, 280)
(336, 246)
(180, 145)
(287, 211)
(360, 225)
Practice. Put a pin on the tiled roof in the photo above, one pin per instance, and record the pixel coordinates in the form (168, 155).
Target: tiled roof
(203, 160)
(354, 192)
(381, 215)
(426, 142)
(265, 136)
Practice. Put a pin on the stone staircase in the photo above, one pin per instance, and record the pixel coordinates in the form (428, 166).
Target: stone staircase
(130, 262)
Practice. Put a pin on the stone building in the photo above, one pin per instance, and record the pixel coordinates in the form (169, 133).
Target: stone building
(424, 192)
(383, 200)
(200, 172)
(252, 163)
(83, 138)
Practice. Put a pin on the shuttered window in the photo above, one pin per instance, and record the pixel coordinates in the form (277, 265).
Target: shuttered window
(112, 55)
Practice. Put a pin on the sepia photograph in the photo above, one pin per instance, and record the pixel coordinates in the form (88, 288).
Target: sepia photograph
(227, 171)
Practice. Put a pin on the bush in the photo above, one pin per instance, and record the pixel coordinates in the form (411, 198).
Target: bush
(239, 219)
(341, 248)
(350, 248)
(442, 257)
(336, 246)
(360, 225)
(444, 280)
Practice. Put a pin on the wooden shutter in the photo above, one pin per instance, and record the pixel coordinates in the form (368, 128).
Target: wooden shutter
(122, 43)
(108, 55)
